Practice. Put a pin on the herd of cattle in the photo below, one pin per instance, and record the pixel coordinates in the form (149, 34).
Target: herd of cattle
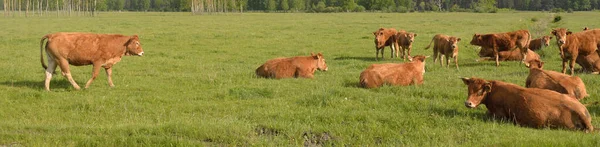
(550, 99)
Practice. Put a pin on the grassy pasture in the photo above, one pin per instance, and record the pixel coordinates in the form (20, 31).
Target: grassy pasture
(195, 84)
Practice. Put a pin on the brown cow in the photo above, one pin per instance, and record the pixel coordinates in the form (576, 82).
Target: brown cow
(503, 41)
(531, 107)
(514, 55)
(579, 44)
(100, 50)
(394, 73)
(447, 46)
(385, 37)
(561, 35)
(556, 81)
(536, 44)
(302, 66)
(405, 40)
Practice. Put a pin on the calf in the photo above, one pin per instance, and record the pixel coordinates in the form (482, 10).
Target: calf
(405, 40)
(531, 107)
(537, 44)
(447, 46)
(100, 50)
(503, 41)
(385, 37)
(556, 81)
(394, 73)
(303, 66)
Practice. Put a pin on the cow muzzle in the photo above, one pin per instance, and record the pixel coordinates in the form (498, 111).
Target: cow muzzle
(140, 54)
(470, 104)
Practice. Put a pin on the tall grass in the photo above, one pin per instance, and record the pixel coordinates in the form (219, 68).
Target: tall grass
(195, 84)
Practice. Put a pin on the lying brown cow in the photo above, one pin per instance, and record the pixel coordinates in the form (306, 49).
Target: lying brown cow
(579, 44)
(405, 40)
(447, 46)
(303, 66)
(100, 50)
(551, 80)
(385, 37)
(503, 42)
(531, 107)
(394, 73)
(514, 55)
(537, 44)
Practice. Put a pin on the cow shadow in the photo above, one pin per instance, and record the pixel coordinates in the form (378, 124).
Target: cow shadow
(356, 58)
(352, 84)
(479, 116)
(63, 83)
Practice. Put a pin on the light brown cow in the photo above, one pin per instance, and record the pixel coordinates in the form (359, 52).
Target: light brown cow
(447, 46)
(100, 50)
(579, 44)
(514, 55)
(405, 40)
(401, 74)
(556, 81)
(292, 67)
(531, 107)
(561, 35)
(385, 37)
(537, 44)
(503, 41)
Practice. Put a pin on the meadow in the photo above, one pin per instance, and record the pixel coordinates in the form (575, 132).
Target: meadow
(195, 84)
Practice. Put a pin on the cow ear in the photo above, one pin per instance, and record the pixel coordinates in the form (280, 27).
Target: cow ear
(569, 33)
(554, 32)
(457, 40)
(550, 37)
(466, 80)
(375, 33)
(415, 35)
(541, 64)
(487, 87)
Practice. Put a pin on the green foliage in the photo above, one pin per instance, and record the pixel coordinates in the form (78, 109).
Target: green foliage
(557, 18)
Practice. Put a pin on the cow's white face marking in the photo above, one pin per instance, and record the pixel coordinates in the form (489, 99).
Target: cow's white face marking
(141, 53)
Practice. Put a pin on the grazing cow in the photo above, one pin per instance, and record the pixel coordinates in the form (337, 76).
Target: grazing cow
(405, 40)
(537, 44)
(531, 107)
(303, 66)
(556, 81)
(100, 50)
(447, 46)
(503, 41)
(514, 55)
(579, 44)
(385, 37)
(402, 74)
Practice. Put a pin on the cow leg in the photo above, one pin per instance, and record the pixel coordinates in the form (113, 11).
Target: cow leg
(95, 71)
(448, 61)
(572, 64)
(64, 67)
(376, 54)
(456, 61)
(497, 57)
(435, 55)
(392, 50)
(49, 71)
(564, 66)
(109, 75)
(442, 60)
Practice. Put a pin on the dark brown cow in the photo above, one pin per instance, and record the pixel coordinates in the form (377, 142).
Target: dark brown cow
(385, 37)
(556, 81)
(514, 55)
(100, 50)
(579, 44)
(531, 107)
(503, 41)
(537, 44)
(447, 46)
(302, 66)
(405, 40)
(394, 73)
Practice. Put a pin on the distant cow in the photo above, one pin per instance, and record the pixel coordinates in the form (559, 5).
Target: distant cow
(579, 44)
(556, 81)
(531, 107)
(302, 66)
(537, 44)
(401, 74)
(514, 55)
(447, 46)
(385, 37)
(405, 40)
(503, 42)
(100, 50)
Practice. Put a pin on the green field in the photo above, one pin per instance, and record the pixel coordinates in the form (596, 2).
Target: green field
(195, 84)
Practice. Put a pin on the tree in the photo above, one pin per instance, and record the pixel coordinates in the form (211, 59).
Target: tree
(285, 5)
(271, 5)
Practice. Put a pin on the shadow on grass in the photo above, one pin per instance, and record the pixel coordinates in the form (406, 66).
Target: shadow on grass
(356, 58)
(63, 83)
(352, 84)
(476, 115)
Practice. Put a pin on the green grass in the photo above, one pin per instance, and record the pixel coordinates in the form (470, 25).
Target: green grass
(195, 84)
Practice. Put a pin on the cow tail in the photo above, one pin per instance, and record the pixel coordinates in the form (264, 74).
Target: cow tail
(430, 43)
(42, 51)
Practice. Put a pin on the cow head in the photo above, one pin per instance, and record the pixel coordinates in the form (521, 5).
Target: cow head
(478, 89)
(321, 65)
(476, 39)
(546, 40)
(417, 58)
(561, 35)
(454, 44)
(535, 63)
(410, 36)
(133, 46)
(381, 36)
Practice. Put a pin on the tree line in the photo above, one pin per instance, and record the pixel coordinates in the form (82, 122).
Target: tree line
(88, 7)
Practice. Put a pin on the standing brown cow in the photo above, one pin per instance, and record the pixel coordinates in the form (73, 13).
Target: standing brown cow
(385, 37)
(531, 107)
(579, 44)
(556, 81)
(405, 40)
(100, 50)
(394, 73)
(503, 41)
(537, 44)
(447, 46)
(302, 66)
